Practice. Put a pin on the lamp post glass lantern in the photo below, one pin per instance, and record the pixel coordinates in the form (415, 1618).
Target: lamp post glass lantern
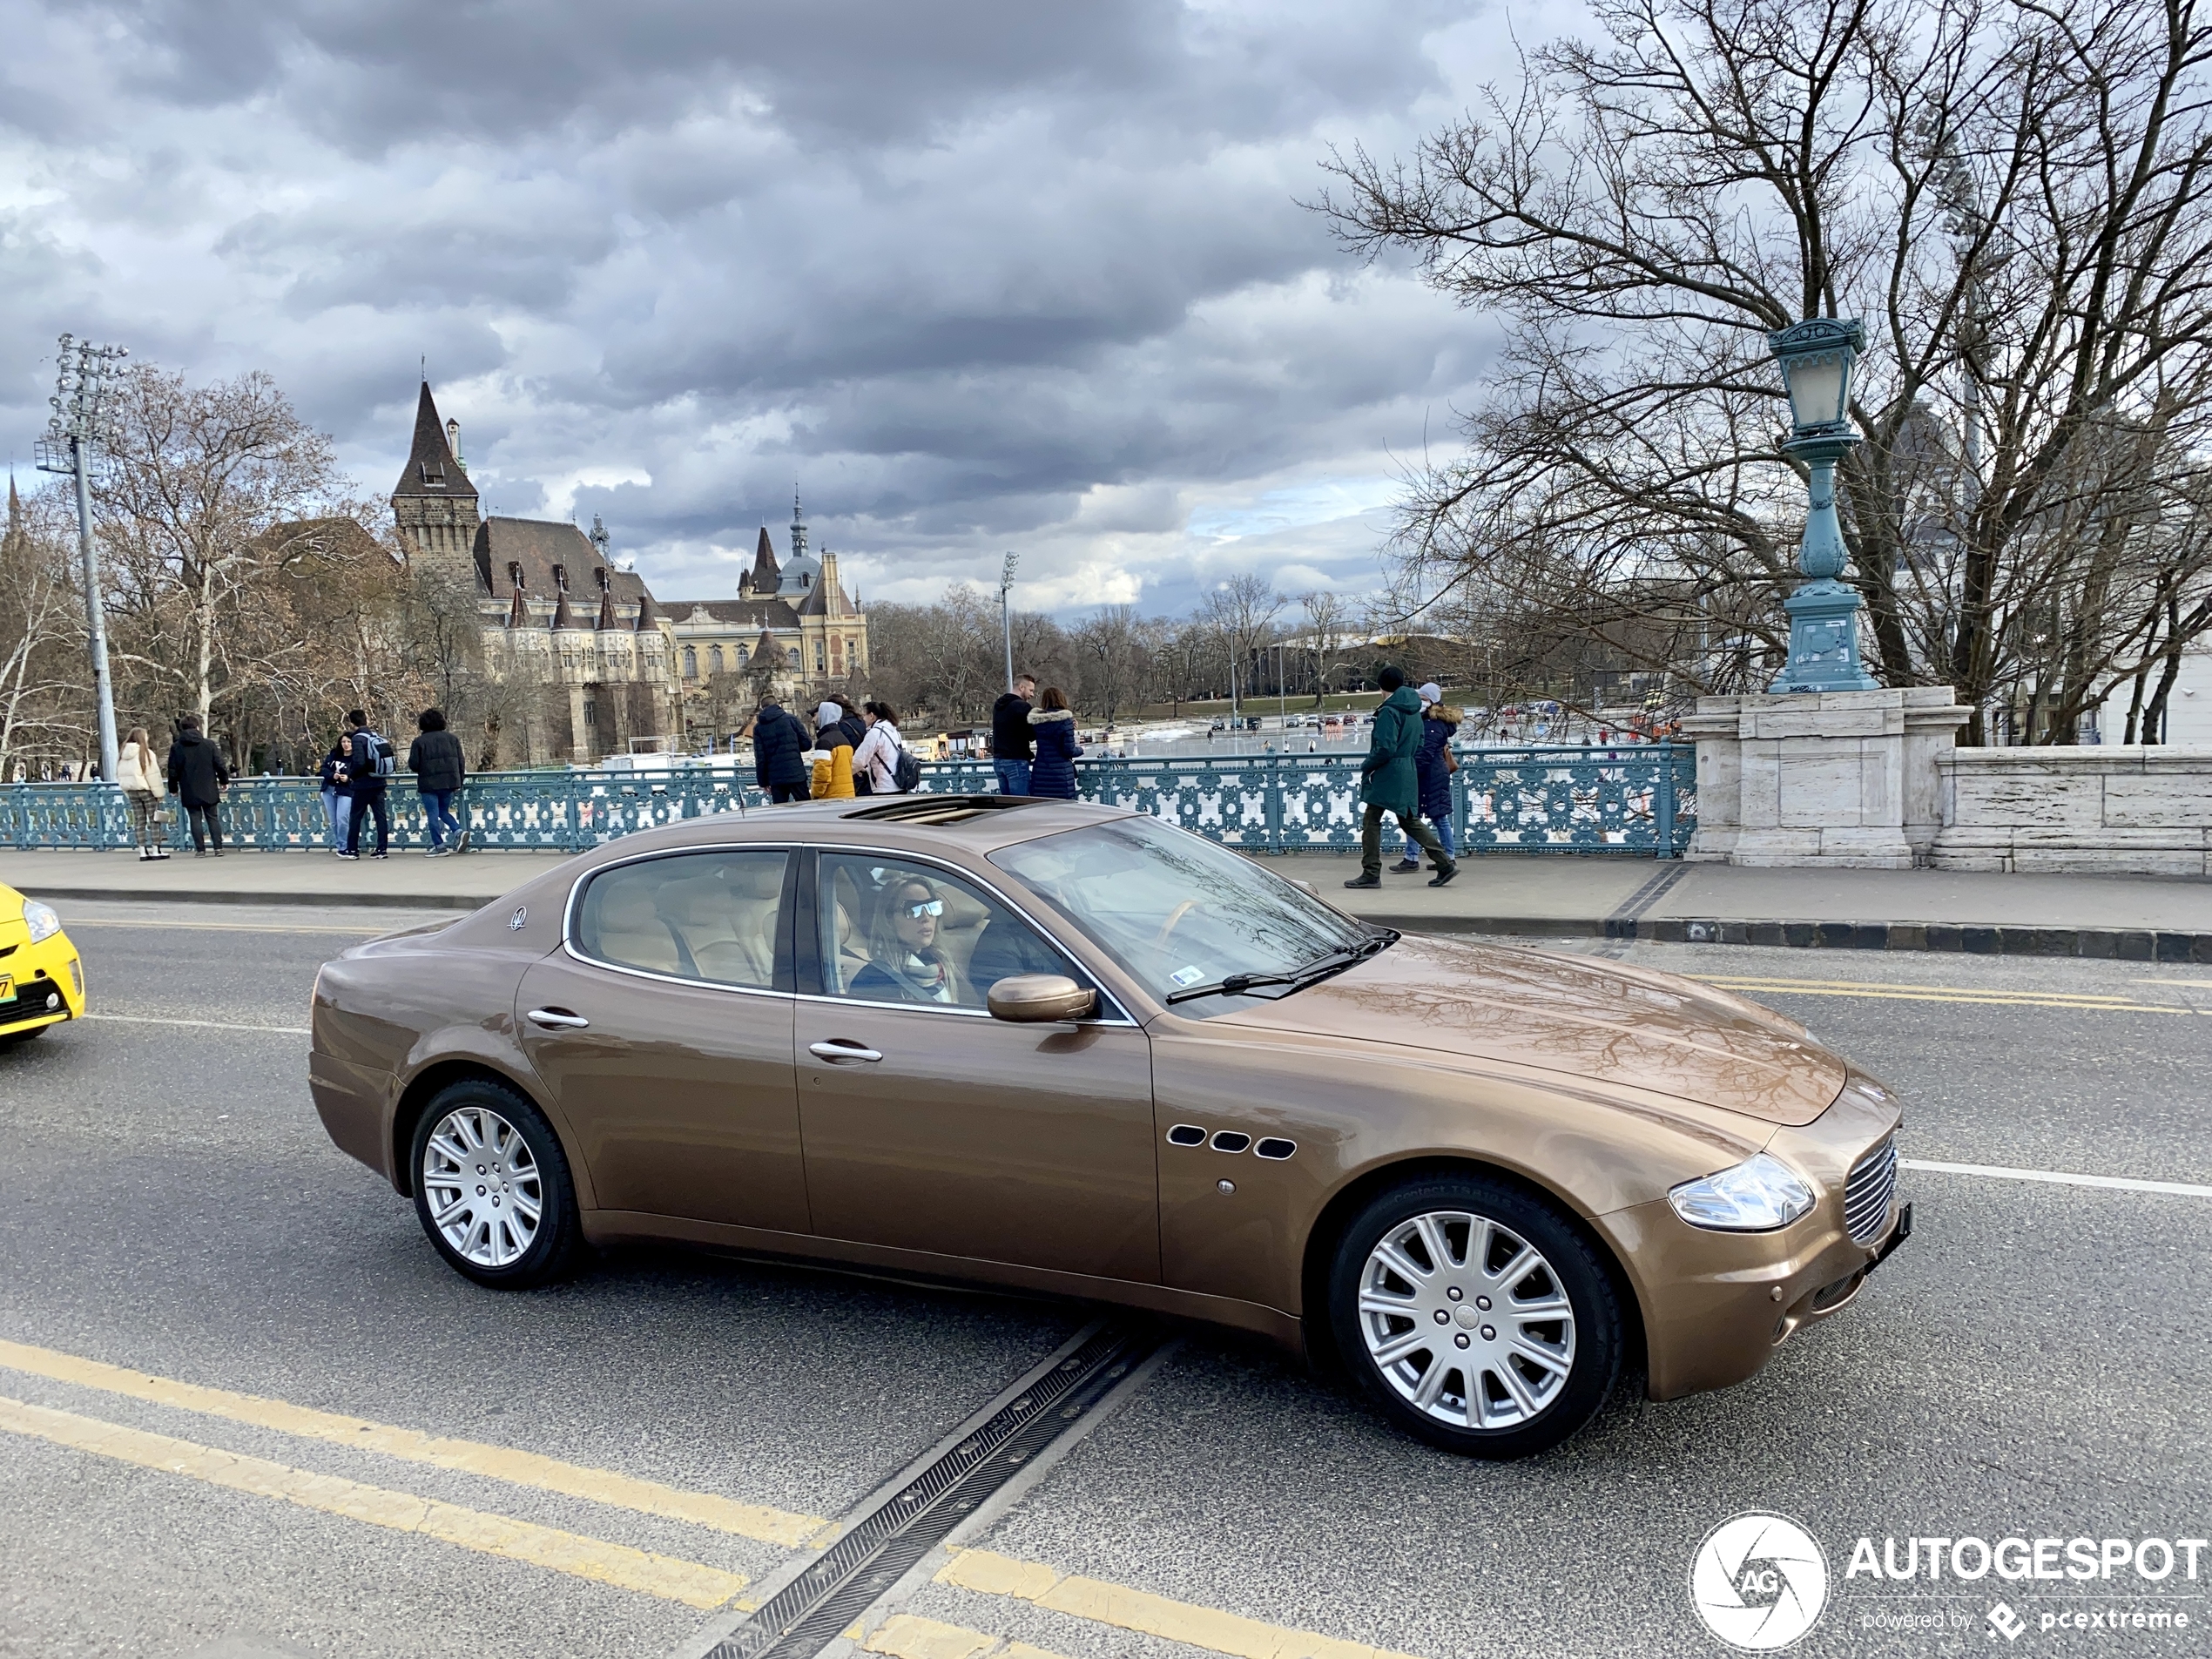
(1815, 356)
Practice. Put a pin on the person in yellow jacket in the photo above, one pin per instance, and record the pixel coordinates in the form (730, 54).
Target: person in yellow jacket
(834, 771)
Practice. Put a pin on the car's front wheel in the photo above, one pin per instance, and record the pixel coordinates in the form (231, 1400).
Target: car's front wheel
(1475, 1315)
(492, 1187)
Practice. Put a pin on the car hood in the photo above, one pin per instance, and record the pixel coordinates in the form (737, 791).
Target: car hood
(1586, 1018)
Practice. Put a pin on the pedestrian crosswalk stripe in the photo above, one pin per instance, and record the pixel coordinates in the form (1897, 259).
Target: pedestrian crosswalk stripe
(468, 1456)
(689, 1582)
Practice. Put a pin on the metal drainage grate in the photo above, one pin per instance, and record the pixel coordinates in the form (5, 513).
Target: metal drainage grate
(879, 1550)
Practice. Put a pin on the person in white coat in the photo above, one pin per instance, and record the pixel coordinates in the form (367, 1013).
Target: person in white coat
(140, 777)
(878, 755)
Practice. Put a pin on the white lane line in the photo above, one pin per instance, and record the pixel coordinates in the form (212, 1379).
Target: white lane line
(202, 1025)
(2058, 1177)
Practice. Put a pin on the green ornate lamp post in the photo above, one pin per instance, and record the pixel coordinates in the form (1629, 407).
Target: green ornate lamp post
(1816, 357)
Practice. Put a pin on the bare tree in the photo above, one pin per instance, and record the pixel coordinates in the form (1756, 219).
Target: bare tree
(2012, 195)
(1328, 626)
(213, 490)
(1116, 656)
(1241, 613)
(46, 705)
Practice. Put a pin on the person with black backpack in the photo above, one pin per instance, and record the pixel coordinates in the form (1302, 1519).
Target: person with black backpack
(369, 765)
(882, 754)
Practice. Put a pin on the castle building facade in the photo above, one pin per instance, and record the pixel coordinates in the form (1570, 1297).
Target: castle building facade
(585, 663)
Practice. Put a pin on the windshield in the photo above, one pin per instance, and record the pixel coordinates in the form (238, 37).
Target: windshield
(1179, 914)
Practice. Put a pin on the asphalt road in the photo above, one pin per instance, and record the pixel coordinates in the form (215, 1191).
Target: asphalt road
(2032, 1364)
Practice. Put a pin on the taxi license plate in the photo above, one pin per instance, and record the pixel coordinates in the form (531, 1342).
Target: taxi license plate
(7, 987)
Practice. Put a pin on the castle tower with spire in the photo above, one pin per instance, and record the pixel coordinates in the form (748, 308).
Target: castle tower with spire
(434, 505)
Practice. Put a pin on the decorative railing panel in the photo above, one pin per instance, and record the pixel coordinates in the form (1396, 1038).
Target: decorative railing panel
(1634, 799)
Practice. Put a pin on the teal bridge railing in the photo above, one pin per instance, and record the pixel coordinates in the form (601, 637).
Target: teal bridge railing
(1634, 799)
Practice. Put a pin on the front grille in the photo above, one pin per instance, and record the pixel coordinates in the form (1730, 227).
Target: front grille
(1867, 1192)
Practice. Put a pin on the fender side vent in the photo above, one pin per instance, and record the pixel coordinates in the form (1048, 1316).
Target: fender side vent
(1186, 1135)
(1230, 1140)
(1275, 1147)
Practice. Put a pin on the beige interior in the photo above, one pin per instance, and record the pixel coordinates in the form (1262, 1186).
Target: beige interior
(710, 917)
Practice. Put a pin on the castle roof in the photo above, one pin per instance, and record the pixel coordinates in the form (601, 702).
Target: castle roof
(766, 574)
(537, 546)
(737, 613)
(431, 469)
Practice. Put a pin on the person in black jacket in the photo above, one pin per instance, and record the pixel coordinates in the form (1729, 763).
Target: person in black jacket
(197, 776)
(435, 759)
(1053, 726)
(780, 741)
(1010, 737)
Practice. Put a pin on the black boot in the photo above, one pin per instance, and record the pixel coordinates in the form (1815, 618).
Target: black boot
(1365, 881)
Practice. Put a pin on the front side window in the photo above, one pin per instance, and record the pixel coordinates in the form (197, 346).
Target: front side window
(708, 916)
(898, 932)
(1179, 914)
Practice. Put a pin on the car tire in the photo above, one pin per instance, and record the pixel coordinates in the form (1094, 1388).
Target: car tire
(1512, 1377)
(481, 1158)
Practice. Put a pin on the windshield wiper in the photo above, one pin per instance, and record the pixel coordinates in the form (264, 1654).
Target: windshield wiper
(1320, 968)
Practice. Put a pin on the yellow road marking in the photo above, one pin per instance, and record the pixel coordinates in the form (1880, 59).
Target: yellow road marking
(494, 1462)
(563, 1551)
(2092, 1002)
(1127, 1609)
(2201, 984)
(904, 1636)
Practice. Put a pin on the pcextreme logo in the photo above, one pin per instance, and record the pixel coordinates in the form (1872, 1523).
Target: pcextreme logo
(1759, 1581)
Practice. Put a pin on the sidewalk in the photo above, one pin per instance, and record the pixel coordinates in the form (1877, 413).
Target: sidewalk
(2135, 918)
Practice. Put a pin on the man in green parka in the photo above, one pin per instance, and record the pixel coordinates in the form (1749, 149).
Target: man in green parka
(1389, 784)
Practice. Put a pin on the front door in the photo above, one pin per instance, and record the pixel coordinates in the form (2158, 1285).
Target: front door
(663, 1032)
(931, 1126)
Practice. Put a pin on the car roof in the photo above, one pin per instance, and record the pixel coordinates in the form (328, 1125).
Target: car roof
(978, 825)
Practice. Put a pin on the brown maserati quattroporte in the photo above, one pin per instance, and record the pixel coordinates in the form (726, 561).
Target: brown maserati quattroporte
(1069, 1049)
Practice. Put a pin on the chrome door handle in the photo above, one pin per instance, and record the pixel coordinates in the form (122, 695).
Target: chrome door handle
(841, 1052)
(558, 1019)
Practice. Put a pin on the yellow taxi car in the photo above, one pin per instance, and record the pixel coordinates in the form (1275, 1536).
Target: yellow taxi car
(42, 980)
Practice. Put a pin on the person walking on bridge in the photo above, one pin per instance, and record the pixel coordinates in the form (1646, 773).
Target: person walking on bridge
(1388, 783)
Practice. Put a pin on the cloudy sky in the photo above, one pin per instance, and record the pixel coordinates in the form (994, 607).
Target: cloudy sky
(976, 275)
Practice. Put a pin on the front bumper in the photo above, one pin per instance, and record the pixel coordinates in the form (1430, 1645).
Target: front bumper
(46, 984)
(1716, 1305)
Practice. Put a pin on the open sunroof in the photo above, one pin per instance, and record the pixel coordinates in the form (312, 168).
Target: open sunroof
(939, 809)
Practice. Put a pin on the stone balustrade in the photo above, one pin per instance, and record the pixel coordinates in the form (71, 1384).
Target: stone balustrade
(2113, 810)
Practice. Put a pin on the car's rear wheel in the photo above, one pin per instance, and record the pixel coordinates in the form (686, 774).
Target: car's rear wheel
(1475, 1316)
(492, 1187)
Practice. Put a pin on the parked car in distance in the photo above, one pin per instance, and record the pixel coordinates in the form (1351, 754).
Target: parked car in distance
(1070, 1049)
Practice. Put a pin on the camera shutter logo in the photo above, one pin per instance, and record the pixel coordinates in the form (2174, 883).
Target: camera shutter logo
(1759, 1581)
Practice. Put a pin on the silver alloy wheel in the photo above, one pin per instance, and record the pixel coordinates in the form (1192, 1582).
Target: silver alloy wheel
(481, 1185)
(1466, 1320)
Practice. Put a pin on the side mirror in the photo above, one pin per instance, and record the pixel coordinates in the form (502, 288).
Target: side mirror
(1040, 998)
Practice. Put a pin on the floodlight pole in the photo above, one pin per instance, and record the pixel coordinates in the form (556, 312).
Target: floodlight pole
(80, 380)
(1006, 614)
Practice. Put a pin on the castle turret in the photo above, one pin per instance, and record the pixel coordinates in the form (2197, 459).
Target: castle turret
(434, 505)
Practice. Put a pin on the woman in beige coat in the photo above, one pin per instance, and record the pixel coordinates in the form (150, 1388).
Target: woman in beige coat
(140, 775)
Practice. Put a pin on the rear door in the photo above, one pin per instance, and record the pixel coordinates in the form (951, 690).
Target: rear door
(663, 1027)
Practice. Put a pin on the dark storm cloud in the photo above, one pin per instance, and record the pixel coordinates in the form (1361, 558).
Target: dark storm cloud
(967, 272)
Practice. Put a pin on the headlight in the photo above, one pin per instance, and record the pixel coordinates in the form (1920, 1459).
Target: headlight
(1757, 1195)
(41, 920)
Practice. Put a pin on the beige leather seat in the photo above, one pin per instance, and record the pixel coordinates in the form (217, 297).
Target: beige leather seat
(627, 928)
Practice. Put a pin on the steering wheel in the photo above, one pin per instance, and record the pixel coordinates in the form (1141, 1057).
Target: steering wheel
(1174, 921)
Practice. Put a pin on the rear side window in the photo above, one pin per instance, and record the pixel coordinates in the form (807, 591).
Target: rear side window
(706, 916)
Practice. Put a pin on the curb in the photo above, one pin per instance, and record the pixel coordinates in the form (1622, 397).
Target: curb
(2096, 943)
